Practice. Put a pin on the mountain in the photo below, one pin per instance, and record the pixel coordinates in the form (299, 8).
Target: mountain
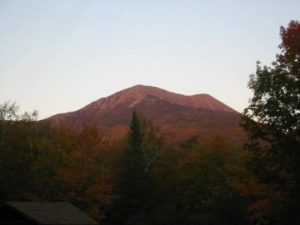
(177, 115)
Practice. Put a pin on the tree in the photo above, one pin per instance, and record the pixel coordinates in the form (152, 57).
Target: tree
(24, 156)
(85, 177)
(40, 161)
(273, 122)
(290, 47)
(205, 188)
(134, 186)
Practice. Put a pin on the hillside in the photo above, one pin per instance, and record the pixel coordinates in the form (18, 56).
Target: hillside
(178, 115)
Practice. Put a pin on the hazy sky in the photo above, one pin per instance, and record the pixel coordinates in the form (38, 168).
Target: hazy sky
(59, 55)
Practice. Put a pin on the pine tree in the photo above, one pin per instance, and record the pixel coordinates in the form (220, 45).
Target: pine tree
(134, 186)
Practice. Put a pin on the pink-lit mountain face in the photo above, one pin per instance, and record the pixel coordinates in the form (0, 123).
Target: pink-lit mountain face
(176, 114)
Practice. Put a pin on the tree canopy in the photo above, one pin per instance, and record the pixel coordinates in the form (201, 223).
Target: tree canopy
(273, 122)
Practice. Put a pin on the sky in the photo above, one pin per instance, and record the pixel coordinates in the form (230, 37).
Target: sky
(59, 55)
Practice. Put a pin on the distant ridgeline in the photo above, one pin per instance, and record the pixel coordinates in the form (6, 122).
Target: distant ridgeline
(178, 116)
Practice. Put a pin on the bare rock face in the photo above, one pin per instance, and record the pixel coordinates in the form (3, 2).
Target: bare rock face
(178, 115)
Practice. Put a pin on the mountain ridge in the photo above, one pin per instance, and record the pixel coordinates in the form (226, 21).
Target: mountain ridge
(188, 100)
(200, 113)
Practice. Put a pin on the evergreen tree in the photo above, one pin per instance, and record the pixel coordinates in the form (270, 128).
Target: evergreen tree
(133, 202)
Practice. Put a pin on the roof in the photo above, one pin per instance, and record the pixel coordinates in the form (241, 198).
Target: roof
(52, 213)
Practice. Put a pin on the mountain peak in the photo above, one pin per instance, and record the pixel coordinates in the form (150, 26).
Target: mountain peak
(174, 112)
(143, 89)
(139, 92)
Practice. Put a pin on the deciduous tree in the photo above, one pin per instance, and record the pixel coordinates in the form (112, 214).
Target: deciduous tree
(273, 122)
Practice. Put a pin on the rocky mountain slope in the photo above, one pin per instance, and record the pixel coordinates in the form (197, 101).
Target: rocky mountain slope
(178, 115)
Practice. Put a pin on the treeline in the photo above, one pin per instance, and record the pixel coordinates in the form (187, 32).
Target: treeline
(188, 183)
(145, 180)
(140, 180)
(41, 162)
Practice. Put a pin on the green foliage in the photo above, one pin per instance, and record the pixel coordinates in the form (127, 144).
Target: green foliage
(134, 186)
(273, 122)
(135, 135)
(10, 112)
(206, 194)
(24, 165)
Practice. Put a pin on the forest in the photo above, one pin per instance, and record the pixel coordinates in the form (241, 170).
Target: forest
(142, 179)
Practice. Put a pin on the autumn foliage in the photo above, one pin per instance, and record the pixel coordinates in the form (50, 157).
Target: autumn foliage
(147, 179)
(273, 123)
